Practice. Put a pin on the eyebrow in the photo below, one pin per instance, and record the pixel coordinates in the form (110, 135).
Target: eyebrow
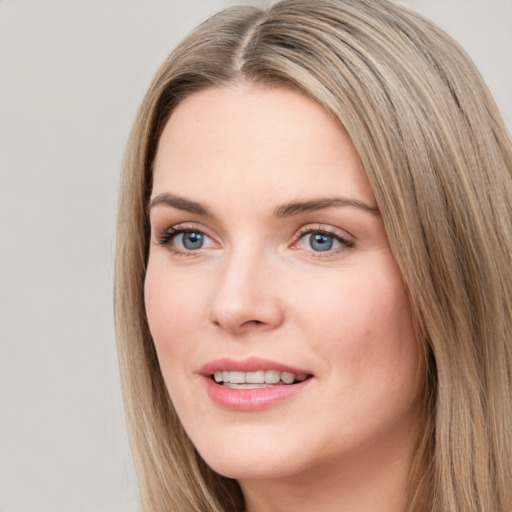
(297, 207)
(285, 210)
(180, 203)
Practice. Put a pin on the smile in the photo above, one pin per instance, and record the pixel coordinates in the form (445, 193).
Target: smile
(253, 384)
(256, 379)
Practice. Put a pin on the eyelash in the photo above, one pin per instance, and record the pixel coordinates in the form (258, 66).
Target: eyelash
(166, 237)
(331, 233)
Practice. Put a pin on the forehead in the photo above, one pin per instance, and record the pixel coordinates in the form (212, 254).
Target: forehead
(256, 140)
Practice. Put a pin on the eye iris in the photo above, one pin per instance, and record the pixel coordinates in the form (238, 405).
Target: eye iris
(192, 240)
(321, 242)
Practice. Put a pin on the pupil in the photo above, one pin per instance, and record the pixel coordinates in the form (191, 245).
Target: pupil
(192, 240)
(321, 242)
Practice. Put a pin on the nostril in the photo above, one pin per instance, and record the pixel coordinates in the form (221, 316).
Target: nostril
(253, 322)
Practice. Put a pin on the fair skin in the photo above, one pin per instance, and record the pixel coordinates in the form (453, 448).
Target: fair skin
(266, 244)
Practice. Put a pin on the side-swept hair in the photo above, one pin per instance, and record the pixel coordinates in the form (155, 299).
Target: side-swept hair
(439, 161)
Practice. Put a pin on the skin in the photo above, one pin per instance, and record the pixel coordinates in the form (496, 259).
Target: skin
(257, 287)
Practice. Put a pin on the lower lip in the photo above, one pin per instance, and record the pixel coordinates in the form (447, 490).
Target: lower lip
(252, 399)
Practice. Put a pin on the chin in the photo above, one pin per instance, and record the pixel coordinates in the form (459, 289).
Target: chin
(255, 459)
(263, 469)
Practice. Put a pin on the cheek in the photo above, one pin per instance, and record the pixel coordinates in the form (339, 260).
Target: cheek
(174, 310)
(362, 323)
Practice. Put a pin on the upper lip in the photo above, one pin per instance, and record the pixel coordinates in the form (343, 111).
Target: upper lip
(250, 364)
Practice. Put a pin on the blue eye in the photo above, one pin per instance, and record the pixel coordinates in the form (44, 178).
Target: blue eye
(185, 240)
(320, 241)
(190, 240)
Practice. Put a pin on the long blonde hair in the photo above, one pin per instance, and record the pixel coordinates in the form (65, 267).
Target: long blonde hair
(439, 161)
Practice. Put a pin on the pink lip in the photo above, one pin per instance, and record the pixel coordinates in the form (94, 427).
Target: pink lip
(250, 364)
(250, 399)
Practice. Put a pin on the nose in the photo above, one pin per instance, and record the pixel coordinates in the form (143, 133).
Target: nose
(246, 296)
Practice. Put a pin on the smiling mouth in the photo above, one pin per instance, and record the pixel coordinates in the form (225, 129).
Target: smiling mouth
(257, 379)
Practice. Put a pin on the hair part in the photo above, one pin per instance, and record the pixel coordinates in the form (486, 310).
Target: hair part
(439, 161)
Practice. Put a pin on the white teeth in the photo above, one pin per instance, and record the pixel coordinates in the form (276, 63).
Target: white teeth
(237, 378)
(256, 378)
(287, 377)
(272, 376)
(246, 386)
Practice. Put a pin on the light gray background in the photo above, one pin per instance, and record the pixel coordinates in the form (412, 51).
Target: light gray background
(72, 75)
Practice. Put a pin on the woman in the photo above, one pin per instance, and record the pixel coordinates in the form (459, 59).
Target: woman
(313, 286)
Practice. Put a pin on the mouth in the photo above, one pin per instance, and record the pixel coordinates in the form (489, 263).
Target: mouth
(258, 379)
(253, 384)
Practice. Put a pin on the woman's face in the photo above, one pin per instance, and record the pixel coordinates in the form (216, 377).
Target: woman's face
(270, 272)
